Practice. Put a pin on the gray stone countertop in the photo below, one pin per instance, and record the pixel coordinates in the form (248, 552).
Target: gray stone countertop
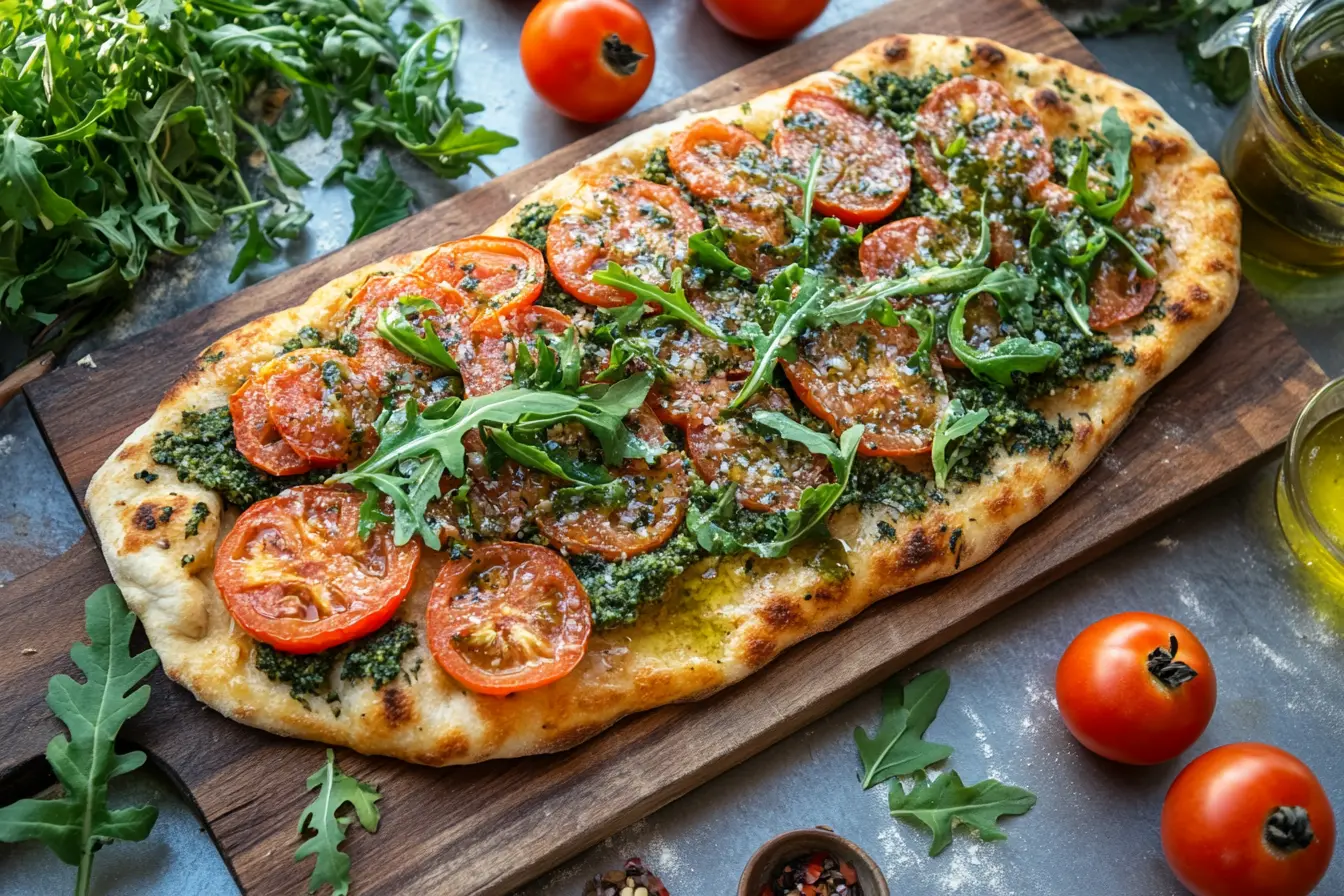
(1222, 568)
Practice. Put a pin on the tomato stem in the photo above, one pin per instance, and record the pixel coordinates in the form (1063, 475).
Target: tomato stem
(1289, 828)
(1163, 664)
(619, 56)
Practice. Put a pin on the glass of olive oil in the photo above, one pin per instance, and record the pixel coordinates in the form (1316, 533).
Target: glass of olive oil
(1284, 154)
(1310, 495)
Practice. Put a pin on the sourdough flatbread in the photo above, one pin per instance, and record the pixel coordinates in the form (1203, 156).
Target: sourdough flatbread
(707, 632)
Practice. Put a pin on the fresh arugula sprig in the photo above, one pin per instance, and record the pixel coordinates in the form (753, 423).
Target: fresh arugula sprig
(130, 129)
(708, 248)
(954, 425)
(395, 327)
(1116, 138)
(416, 449)
(324, 821)
(795, 311)
(80, 821)
(802, 226)
(1016, 354)
(673, 302)
(898, 746)
(712, 528)
(945, 801)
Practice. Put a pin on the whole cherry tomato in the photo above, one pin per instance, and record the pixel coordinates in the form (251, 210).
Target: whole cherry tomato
(1248, 820)
(765, 19)
(1136, 688)
(590, 60)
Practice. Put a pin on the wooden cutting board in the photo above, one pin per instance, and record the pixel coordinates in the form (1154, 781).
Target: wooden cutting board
(482, 830)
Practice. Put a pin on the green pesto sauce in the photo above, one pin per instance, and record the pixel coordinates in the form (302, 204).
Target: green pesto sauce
(202, 450)
(311, 337)
(531, 224)
(880, 480)
(378, 657)
(618, 590)
(306, 673)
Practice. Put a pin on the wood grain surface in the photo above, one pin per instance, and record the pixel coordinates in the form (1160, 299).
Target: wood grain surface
(484, 829)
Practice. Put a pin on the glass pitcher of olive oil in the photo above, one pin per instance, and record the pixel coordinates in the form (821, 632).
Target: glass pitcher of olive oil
(1284, 154)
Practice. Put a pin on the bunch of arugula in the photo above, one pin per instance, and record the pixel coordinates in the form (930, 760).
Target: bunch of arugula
(129, 130)
(324, 821)
(1227, 73)
(80, 821)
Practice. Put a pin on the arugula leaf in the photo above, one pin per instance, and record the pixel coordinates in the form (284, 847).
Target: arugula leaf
(945, 801)
(1140, 262)
(789, 428)
(674, 303)
(802, 523)
(529, 455)
(803, 227)
(998, 363)
(323, 819)
(707, 248)
(400, 333)
(558, 363)
(898, 746)
(1116, 137)
(955, 424)
(797, 315)
(80, 821)
(377, 201)
(415, 449)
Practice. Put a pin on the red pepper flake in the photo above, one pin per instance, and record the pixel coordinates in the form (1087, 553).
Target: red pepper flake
(815, 874)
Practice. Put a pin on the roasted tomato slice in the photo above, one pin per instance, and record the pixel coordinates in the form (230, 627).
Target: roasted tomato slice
(989, 125)
(495, 274)
(511, 617)
(770, 472)
(697, 366)
(321, 404)
(864, 174)
(647, 512)
(486, 360)
(740, 177)
(294, 573)
(383, 364)
(1118, 291)
(256, 436)
(906, 245)
(637, 224)
(912, 243)
(863, 373)
(503, 498)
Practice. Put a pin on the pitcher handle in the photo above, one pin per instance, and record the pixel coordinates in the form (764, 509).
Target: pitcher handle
(1234, 34)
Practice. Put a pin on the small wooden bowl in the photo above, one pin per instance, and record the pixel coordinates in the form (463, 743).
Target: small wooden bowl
(778, 850)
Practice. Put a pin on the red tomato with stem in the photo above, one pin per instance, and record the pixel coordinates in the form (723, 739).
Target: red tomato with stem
(1248, 820)
(765, 19)
(590, 60)
(1136, 688)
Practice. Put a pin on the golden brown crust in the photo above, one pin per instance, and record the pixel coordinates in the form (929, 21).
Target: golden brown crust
(708, 632)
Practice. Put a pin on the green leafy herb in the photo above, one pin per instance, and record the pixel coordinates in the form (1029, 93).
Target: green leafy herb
(323, 819)
(898, 746)
(673, 303)
(793, 316)
(1116, 138)
(955, 424)
(998, 363)
(708, 249)
(1227, 73)
(803, 227)
(415, 449)
(377, 201)
(397, 329)
(80, 821)
(801, 524)
(940, 803)
(133, 129)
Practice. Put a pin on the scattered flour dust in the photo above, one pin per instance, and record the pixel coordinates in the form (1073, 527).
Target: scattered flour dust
(1166, 541)
(7, 444)
(1185, 593)
(1279, 661)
